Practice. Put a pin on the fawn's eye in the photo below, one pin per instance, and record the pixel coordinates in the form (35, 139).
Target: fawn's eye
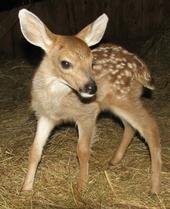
(65, 64)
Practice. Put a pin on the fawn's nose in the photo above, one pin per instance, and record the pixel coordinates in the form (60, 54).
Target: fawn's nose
(90, 88)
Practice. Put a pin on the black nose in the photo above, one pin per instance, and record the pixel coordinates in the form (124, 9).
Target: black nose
(90, 88)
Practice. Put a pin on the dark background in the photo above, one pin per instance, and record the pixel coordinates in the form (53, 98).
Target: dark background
(131, 22)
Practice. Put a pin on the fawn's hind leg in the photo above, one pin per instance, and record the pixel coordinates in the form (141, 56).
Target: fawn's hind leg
(127, 138)
(135, 114)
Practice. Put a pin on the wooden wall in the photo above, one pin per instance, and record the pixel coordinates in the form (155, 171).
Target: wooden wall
(130, 20)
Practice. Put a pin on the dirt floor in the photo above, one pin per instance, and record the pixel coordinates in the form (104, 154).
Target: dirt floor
(126, 186)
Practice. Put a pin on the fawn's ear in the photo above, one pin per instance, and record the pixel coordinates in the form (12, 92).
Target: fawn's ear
(94, 32)
(34, 30)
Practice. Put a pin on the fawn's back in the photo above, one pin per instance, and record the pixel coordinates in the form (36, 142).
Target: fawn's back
(119, 73)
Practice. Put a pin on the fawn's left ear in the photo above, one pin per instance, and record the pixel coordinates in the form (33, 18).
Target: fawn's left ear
(94, 32)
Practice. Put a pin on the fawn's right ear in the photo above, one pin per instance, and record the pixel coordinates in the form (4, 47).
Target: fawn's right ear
(34, 30)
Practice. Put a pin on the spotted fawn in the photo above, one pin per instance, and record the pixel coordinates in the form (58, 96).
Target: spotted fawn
(74, 83)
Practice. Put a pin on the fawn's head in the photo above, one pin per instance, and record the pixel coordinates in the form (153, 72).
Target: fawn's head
(70, 56)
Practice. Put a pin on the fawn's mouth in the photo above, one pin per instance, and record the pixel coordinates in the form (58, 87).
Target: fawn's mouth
(86, 95)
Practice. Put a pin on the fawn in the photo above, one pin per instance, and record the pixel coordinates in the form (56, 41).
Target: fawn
(74, 83)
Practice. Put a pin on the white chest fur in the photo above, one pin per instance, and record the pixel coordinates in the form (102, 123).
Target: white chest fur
(57, 87)
(48, 94)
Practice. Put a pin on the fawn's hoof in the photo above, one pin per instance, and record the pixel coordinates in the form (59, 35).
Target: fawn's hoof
(112, 163)
(82, 186)
(155, 191)
(27, 188)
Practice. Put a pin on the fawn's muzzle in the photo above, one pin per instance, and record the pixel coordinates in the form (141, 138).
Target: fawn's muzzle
(89, 89)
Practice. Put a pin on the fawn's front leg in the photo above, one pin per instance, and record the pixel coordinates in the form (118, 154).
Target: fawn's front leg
(86, 130)
(44, 127)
